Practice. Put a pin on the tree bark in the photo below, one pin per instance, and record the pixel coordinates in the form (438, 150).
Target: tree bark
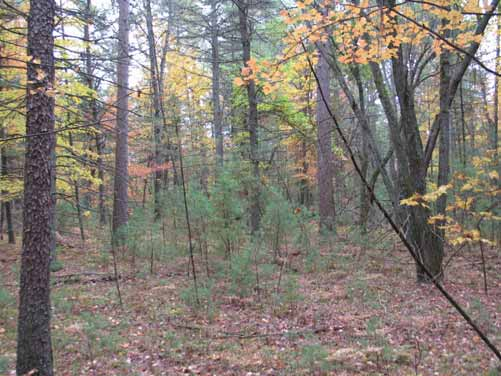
(99, 138)
(496, 227)
(216, 85)
(1, 219)
(252, 116)
(495, 130)
(444, 142)
(364, 197)
(413, 158)
(4, 169)
(34, 349)
(325, 159)
(6, 208)
(100, 144)
(157, 110)
(421, 234)
(304, 189)
(78, 206)
(120, 197)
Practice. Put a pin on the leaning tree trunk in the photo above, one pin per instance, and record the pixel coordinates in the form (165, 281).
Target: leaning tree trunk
(325, 174)
(34, 349)
(120, 197)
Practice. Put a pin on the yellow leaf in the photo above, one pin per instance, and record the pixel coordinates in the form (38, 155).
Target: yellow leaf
(412, 200)
(467, 187)
(267, 89)
(494, 175)
(238, 81)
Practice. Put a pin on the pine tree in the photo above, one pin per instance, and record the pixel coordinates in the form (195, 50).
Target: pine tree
(34, 347)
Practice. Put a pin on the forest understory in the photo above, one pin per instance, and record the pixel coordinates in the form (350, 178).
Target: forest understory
(250, 187)
(352, 308)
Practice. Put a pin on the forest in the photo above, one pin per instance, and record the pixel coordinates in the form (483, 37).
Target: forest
(250, 187)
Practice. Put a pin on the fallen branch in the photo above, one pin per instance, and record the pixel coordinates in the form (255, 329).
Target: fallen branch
(242, 335)
(77, 278)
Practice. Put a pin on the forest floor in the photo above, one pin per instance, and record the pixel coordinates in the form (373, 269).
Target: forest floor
(357, 311)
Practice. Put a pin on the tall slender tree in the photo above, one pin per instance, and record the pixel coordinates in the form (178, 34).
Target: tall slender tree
(252, 115)
(445, 120)
(325, 173)
(34, 348)
(120, 196)
(93, 111)
(6, 208)
(157, 106)
(216, 82)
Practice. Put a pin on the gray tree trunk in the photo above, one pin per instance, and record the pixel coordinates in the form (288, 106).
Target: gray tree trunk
(78, 206)
(252, 117)
(157, 109)
(4, 170)
(444, 141)
(34, 348)
(304, 188)
(422, 235)
(120, 196)
(496, 228)
(100, 144)
(216, 85)
(99, 138)
(325, 159)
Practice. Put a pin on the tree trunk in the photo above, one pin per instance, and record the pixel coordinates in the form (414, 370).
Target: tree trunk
(304, 189)
(120, 196)
(413, 159)
(34, 348)
(252, 117)
(4, 168)
(421, 234)
(6, 209)
(444, 141)
(496, 227)
(216, 85)
(364, 197)
(78, 206)
(100, 143)
(157, 110)
(99, 138)
(325, 174)
(495, 131)
(463, 125)
(2, 211)
(10, 226)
